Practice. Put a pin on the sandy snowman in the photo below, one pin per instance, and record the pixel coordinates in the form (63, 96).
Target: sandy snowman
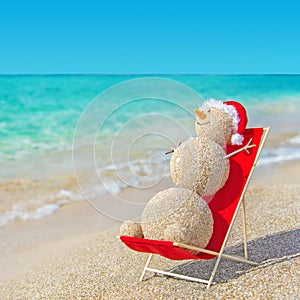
(199, 167)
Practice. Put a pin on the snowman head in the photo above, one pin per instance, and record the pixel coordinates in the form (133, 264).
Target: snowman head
(223, 122)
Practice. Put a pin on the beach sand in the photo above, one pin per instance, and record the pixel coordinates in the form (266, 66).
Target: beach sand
(74, 253)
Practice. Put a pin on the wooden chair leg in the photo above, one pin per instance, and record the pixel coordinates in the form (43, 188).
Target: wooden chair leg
(146, 266)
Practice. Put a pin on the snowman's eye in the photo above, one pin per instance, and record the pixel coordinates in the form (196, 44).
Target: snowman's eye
(208, 110)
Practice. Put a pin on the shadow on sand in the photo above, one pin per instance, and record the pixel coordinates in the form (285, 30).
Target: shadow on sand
(266, 251)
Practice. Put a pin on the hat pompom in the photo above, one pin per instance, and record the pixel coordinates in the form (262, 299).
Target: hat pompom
(237, 139)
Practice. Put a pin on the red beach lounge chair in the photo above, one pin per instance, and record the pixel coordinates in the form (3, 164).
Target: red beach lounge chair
(224, 207)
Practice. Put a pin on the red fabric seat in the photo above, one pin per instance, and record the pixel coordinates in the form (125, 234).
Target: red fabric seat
(223, 205)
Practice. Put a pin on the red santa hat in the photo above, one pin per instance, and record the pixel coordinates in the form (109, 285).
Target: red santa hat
(236, 112)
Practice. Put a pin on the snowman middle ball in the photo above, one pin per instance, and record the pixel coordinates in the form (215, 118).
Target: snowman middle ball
(198, 164)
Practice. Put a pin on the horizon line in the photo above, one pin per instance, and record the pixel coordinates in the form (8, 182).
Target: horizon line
(150, 74)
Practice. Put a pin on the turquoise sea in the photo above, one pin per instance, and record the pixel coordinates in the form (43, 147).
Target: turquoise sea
(119, 127)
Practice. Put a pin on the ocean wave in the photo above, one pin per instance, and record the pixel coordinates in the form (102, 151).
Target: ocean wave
(36, 208)
(133, 173)
(295, 140)
(22, 149)
(40, 212)
(279, 155)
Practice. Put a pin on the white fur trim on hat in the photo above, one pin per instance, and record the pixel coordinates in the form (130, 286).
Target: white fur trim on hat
(229, 109)
(237, 139)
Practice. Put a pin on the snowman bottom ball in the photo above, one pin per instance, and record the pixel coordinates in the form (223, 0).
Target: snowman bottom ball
(179, 215)
(198, 164)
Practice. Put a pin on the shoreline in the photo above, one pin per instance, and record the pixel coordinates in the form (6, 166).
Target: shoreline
(26, 245)
(60, 191)
(286, 172)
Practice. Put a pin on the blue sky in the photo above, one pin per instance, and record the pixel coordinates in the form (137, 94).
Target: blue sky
(140, 37)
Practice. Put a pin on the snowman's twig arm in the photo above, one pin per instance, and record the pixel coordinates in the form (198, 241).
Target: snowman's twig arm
(245, 148)
(172, 149)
